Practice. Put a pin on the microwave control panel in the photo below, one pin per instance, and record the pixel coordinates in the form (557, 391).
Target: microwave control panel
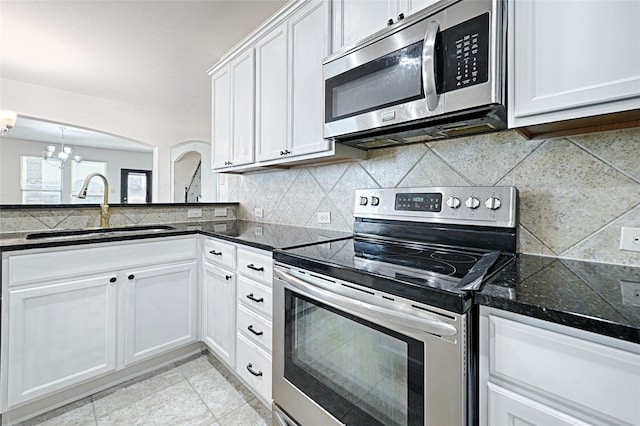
(465, 49)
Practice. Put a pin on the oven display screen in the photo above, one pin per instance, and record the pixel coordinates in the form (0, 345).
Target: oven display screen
(419, 202)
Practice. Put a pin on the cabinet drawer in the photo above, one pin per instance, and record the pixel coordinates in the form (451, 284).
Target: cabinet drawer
(223, 254)
(254, 366)
(510, 408)
(254, 327)
(588, 375)
(256, 265)
(254, 295)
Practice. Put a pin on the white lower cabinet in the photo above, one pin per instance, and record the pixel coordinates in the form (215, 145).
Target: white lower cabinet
(533, 372)
(60, 334)
(219, 312)
(68, 312)
(161, 311)
(254, 366)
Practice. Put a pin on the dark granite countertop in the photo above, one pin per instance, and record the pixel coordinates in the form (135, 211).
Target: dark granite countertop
(265, 236)
(584, 295)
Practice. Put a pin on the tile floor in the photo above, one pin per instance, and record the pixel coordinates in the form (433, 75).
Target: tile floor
(197, 391)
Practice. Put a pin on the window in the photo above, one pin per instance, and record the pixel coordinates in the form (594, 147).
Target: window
(135, 186)
(40, 181)
(95, 192)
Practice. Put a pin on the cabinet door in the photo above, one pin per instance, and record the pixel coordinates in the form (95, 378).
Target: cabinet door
(572, 59)
(409, 7)
(219, 312)
(160, 310)
(271, 94)
(308, 47)
(221, 119)
(59, 335)
(242, 107)
(353, 20)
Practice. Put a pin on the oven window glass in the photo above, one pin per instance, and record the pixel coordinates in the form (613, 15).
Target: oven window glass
(393, 79)
(360, 372)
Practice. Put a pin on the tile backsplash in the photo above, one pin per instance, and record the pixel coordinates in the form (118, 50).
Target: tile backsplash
(69, 217)
(575, 192)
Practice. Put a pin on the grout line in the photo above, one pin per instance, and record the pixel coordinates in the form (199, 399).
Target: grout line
(427, 150)
(605, 161)
(519, 163)
(455, 170)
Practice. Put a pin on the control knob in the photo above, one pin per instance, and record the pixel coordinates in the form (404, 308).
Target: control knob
(472, 203)
(364, 201)
(375, 201)
(453, 202)
(493, 203)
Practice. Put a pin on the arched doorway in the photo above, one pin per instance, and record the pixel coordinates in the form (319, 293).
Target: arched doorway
(191, 177)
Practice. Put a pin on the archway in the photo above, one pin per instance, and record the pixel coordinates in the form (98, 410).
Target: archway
(191, 169)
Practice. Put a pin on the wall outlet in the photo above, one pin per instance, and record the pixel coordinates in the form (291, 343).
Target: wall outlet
(258, 212)
(324, 217)
(630, 293)
(630, 238)
(194, 213)
(220, 212)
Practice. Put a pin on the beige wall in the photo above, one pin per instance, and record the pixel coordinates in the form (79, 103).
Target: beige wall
(575, 193)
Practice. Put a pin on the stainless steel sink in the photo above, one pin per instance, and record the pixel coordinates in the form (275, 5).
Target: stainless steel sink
(88, 232)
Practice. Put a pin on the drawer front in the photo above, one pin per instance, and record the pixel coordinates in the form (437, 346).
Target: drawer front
(595, 378)
(255, 327)
(256, 265)
(223, 254)
(254, 366)
(255, 296)
(73, 261)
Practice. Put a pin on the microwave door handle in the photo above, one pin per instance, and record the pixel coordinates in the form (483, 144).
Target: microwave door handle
(429, 65)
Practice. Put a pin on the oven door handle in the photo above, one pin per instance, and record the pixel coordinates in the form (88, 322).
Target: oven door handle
(408, 321)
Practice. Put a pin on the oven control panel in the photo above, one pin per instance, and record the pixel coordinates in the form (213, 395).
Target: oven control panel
(473, 205)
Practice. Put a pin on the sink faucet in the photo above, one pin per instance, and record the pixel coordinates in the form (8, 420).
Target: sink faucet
(104, 207)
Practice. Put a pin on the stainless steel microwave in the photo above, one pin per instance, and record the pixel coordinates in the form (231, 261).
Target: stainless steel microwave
(437, 74)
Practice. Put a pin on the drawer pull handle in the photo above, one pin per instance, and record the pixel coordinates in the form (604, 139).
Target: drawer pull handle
(257, 333)
(252, 371)
(113, 280)
(131, 277)
(227, 277)
(252, 266)
(251, 297)
(216, 253)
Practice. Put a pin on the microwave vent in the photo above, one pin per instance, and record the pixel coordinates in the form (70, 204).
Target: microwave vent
(379, 143)
(461, 131)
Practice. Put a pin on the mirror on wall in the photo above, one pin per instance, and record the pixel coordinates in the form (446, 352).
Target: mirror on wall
(43, 162)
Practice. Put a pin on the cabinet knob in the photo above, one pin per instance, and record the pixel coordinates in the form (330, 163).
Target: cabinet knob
(113, 279)
(227, 277)
(131, 276)
(389, 22)
(401, 17)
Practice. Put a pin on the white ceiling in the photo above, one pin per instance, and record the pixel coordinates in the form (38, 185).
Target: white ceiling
(149, 53)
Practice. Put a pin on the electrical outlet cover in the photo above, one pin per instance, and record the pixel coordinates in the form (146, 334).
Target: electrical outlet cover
(630, 293)
(324, 217)
(258, 212)
(630, 238)
(193, 213)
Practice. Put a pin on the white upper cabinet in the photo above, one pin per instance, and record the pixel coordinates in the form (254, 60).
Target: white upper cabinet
(308, 46)
(572, 59)
(355, 19)
(289, 86)
(271, 94)
(232, 112)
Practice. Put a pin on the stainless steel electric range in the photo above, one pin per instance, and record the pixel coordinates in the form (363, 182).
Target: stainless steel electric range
(379, 329)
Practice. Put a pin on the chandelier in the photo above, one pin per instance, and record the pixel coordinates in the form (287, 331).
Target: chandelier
(63, 155)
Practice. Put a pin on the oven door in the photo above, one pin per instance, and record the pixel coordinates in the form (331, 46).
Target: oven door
(352, 359)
